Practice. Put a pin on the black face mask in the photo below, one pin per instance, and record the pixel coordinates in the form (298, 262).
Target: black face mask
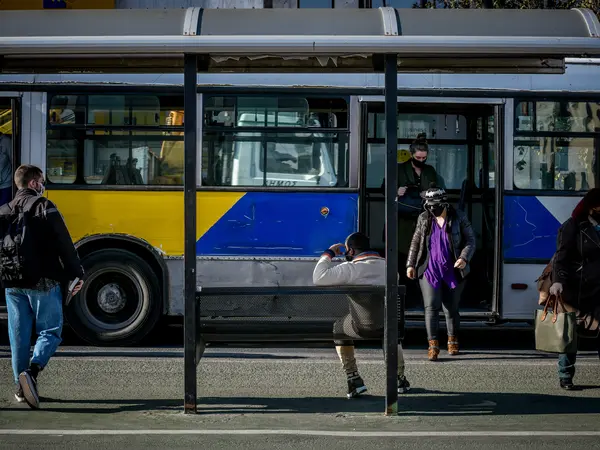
(437, 210)
(595, 215)
(418, 164)
(348, 256)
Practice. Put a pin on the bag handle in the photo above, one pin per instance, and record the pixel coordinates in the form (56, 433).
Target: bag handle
(410, 206)
(559, 302)
(545, 311)
(556, 301)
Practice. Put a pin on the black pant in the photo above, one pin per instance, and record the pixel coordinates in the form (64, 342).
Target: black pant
(436, 299)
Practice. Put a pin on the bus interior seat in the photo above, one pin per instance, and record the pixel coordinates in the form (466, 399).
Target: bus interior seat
(134, 174)
(116, 173)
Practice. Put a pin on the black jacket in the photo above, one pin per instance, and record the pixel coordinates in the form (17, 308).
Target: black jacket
(57, 254)
(577, 264)
(461, 237)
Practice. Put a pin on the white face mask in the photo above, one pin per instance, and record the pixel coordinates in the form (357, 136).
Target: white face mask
(40, 189)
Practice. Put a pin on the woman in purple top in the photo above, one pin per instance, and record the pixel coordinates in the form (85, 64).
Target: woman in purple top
(439, 255)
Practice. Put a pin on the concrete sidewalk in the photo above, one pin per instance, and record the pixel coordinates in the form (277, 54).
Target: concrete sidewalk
(283, 389)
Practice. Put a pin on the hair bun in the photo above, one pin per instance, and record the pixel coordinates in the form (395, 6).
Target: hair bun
(419, 144)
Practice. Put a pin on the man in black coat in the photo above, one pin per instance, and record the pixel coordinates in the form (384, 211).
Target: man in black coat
(37, 297)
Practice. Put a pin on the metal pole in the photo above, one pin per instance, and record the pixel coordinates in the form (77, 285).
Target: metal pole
(391, 237)
(190, 115)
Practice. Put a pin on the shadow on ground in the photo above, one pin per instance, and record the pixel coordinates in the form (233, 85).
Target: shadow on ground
(421, 403)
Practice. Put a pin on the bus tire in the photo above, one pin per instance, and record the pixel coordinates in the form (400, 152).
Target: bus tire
(120, 301)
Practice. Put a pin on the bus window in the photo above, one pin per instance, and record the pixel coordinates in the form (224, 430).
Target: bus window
(290, 142)
(64, 109)
(115, 139)
(118, 110)
(447, 138)
(272, 112)
(555, 145)
(547, 163)
(122, 162)
(557, 116)
(61, 158)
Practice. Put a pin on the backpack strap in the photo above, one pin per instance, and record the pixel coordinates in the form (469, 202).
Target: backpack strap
(6, 209)
(30, 203)
(27, 206)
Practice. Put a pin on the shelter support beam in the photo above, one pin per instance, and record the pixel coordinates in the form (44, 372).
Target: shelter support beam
(391, 236)
(190, 151)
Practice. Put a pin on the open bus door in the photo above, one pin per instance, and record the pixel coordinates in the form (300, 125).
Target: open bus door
(10, 149)
(464, 148)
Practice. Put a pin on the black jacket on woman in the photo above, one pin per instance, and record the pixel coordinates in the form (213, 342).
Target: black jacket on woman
(460, 232)
(577, 263)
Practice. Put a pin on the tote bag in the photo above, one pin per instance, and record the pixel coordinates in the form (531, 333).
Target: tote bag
(556, 332)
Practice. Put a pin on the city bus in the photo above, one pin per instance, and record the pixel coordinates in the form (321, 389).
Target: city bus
(289, 165)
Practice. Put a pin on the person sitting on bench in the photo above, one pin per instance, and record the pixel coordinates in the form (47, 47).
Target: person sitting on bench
(363, 266)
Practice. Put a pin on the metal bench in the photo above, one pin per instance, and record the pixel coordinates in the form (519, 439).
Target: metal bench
(268, 314)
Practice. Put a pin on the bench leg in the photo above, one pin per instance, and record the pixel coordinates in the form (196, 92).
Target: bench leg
(200, 347)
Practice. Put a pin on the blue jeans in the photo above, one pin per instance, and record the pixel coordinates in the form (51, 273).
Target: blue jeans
(24, 307)
(566, 363)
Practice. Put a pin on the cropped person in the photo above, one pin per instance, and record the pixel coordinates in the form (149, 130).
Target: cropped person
(576, 272)
(34, 295)
(363, 266)
(441, 248)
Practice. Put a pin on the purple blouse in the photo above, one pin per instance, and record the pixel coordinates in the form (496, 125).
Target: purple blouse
(441, 267)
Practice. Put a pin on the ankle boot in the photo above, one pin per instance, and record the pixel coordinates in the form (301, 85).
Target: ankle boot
(452, 345)
(434, 350)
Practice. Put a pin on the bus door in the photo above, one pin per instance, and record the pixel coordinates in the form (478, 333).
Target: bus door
(462, 150)
(10, 143)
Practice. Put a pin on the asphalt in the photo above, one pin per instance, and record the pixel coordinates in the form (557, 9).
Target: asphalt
(264, 397)
(295, 442)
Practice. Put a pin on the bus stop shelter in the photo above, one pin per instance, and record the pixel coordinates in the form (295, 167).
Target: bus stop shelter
(384, 40)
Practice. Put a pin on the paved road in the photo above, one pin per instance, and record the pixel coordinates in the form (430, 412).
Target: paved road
(294, 398)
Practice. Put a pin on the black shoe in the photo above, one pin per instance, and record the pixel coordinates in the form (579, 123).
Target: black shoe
(19, 394)
(403, 385)
(356, 386)
(567, 384)
(29, 385)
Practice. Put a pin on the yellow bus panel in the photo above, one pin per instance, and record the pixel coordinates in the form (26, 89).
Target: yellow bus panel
(154, 216)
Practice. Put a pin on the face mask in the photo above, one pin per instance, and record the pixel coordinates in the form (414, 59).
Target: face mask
(595, 215)
(40, 189)
(348, 256)
(418, 164)
(437, 210)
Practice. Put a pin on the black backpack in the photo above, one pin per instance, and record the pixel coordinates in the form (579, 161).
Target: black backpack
(18, 261)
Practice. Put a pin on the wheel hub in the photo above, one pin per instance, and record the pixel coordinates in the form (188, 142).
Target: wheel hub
(111, 298)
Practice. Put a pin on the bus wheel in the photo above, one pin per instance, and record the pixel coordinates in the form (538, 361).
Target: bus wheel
(120, 302)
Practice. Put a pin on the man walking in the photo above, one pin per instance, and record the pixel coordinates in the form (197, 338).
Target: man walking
(363, 266)
(37, 255)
